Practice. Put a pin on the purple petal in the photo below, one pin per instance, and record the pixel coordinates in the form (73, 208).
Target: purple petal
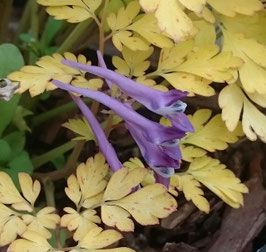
(153, 99)
(153, 131)
(153, 154)
(105, 147)
(102, 64)
(161, 180)
(180, 121)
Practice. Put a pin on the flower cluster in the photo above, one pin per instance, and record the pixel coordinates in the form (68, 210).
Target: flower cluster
(158, 144)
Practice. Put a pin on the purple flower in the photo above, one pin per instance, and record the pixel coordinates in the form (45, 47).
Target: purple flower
(105, 147)
(163, 103)
(154, 155)
(152, 131)
(156, 142)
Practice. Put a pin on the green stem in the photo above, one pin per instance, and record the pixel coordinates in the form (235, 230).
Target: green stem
(34, 19)
(74, 36)
(52, 154)
(67, 170)
(24, 21)
(5, 10)
(48, 187)
(46, 116)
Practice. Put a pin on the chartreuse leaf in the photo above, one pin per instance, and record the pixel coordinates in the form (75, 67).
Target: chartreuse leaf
(31, 242)
(251, 26)
(82, 128)
(189, 153)
(191, 190)
(231, 7)
(206, 34)
(210, 135)
(97, 239)
(145, 205)
(233, 100)
(252, 53)
(193, 70)
(73, 11)
(38, 78)
(134, 63)
(214, 175)
(146, 26)
(118, 24)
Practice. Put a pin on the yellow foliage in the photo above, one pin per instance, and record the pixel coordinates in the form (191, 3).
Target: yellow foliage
(189, 153)
(210, 135)
(74, 11)
(96, 239)
(233, 100)
(123, 25)
(38, 78)
(253, 72)
(191, 190)
(146, 26)
(251, 26)
(45, 219)
(31, 242)
(8, 192)
(149, 179)
(39, 221)
(29, 189)
(80, 127)
(193, 70)
(171, 18)
(214, 175)
(89, 181)
(134, 62)
(206, 34)
(208, 63)
(146, 205)
(9, 220)
(81, 222)
(231, 7)
(134, 163)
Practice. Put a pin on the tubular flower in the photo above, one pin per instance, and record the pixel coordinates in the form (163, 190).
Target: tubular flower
(167, 104)
(155, 140)
(105, 147)
(152, 131)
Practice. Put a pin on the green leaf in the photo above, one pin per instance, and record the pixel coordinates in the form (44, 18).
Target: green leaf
(5, 151)
(16, 140)
(18, 118)
(21, 163)
(10, 59)
(7, 111)
(51, 29)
